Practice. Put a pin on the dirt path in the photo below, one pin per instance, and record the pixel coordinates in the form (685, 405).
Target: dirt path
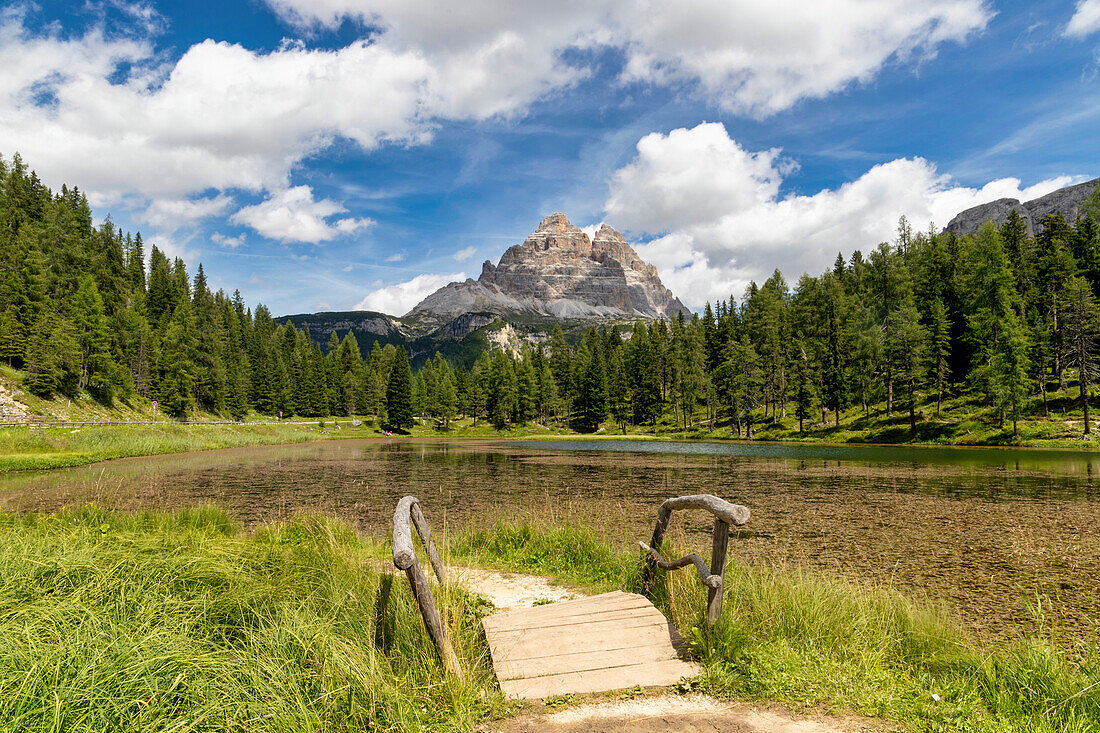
(509, 591)
(682, 714)
(656, 714)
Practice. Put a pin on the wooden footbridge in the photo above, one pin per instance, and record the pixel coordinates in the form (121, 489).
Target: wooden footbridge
(605, 642)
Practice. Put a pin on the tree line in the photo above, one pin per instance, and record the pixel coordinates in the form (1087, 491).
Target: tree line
(1001, 314)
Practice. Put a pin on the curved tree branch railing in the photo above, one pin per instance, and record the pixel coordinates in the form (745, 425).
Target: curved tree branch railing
(404, 558)
(725, 514)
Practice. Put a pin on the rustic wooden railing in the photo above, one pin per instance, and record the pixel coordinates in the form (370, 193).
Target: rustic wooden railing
(404, 558)
(725, 514)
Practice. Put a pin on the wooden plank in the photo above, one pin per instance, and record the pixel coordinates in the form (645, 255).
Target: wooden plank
(572, 608)
(652, 674)
(608, 614)
(590, 629)
(624, 639)
(553, 609)
(605, 642)
(586, 660)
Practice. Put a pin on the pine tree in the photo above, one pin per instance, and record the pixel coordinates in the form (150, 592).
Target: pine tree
(1082, 318)
(96, 370)
(590, 406)
(618, 392)
(643, 378)
(135, 263)
(939, 332)
(399, 409)
(905, 354)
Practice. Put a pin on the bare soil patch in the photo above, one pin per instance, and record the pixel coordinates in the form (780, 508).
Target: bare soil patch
(683, 714)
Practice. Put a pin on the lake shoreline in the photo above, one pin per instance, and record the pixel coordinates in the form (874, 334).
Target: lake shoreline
(26, 448)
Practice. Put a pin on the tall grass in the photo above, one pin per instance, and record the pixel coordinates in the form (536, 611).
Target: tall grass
(41, 448)
(800, 638)
(178, 622)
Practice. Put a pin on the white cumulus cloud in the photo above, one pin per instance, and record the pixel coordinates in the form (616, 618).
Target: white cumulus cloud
(1085, 20)
(729, 225)
(293, 215)
(400, 298)
(756, 56)
(170, 214)
(107, 110)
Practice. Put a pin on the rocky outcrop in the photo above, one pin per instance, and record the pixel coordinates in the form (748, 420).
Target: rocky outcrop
(558, 271)
(11, 409)
(1065, 201)
(464, 325)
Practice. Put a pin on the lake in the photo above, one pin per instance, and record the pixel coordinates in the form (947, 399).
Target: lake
(1000, 535)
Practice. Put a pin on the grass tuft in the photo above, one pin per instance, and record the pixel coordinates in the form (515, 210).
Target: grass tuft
(807, 640)
(153, 621)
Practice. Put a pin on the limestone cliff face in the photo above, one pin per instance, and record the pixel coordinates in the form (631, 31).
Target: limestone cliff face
(558, 271)
(1065, 201)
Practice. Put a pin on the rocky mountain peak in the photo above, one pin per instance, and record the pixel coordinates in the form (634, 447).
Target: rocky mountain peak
(558, 271)
(556, 222)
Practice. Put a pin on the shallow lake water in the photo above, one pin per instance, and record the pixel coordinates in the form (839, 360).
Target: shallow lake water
(996, 534)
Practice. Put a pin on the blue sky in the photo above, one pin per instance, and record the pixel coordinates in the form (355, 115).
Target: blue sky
(338, 154)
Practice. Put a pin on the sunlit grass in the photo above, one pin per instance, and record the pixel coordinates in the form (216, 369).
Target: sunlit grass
(807, 640)
(178, 621)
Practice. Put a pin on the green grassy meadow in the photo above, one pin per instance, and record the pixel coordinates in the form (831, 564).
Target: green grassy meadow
(182, 622)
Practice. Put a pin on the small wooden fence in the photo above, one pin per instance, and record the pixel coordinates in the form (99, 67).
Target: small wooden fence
(725, 514)
(408, 514)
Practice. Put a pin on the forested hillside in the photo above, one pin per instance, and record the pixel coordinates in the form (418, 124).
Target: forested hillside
(1000, 321)
(1000, 316)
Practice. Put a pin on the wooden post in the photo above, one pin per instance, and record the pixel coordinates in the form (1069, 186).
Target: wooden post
(725, 514)
(423, 592)
(717, 567)
(663, 516)
(404, 557)
(426, 538)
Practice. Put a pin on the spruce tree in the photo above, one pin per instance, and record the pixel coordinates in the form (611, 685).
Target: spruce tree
(399, 410)
(1082, 319)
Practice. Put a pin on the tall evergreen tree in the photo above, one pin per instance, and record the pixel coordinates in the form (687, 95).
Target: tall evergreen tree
(399, 410)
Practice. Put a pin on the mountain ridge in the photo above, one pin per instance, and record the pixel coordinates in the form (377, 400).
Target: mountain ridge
(1066, 201)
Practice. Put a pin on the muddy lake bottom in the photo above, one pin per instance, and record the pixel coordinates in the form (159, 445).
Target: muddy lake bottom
(1007, 539)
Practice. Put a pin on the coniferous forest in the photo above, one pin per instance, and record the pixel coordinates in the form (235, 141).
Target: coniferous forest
(1004, 317)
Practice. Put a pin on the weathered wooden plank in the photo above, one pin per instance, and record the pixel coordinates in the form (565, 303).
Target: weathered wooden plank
(504, 648)
(531, 634)
(587, 660)
(605, 642)
(651, 674)
(606, 614)
(565, 607)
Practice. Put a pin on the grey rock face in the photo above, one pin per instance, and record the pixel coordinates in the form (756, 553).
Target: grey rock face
(464, 325)
(1065, 201)
(558, 271)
